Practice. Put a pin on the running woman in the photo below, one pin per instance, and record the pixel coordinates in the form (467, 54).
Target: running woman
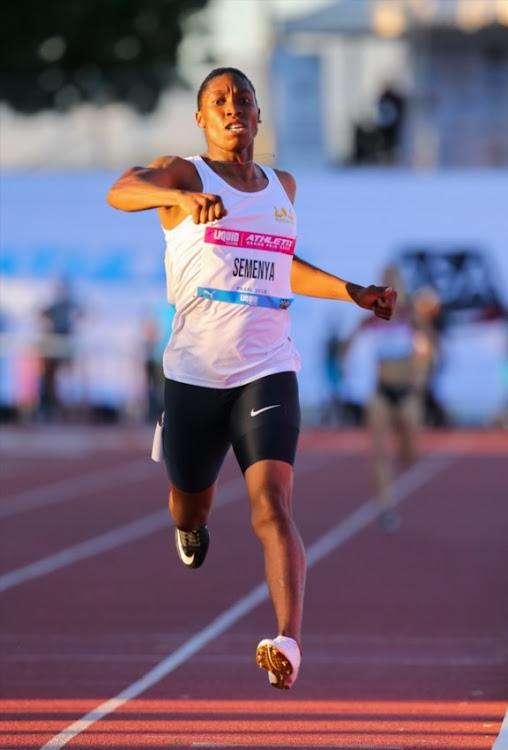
(230, 363)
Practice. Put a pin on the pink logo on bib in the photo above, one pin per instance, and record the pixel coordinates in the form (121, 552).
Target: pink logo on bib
(252, 240)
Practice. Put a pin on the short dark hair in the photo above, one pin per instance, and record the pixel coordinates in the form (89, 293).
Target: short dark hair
(220, 72)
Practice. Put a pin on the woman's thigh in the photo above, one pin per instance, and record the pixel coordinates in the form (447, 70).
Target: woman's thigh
(195, 434)
(265, 420)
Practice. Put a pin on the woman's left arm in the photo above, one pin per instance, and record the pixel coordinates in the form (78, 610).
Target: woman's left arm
(311, 281)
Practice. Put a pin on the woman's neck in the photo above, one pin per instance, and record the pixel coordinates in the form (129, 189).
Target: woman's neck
(243, 175)
(233, 162)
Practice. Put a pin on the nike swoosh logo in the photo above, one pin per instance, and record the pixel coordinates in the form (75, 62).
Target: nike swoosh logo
(187, 559)
(255, 412)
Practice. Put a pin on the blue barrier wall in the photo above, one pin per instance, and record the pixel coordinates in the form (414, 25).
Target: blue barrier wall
(349, 221)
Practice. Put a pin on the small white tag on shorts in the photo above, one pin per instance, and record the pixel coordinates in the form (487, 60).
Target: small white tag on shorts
(157, 444)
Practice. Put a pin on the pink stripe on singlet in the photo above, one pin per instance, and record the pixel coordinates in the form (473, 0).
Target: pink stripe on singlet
(251, 240)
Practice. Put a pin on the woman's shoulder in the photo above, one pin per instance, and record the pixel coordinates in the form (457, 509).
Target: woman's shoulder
(288, 182)
(177, 171)
(162, 162)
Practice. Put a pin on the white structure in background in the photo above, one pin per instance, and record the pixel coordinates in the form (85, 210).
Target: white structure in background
(330, 59)
(450, 58)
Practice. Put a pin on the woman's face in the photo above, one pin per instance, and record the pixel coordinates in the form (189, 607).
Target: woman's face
(229, 113)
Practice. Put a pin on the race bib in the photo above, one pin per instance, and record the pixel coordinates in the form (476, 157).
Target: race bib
(246, 268)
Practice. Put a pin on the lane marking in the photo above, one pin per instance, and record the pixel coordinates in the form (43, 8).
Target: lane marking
(403, 486)
(90, 548)
(124, 534)
(426, 469)
(75, 487)
(110, 540)
(502, 738)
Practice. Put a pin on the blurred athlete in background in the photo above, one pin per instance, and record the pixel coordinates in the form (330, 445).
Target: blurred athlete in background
(402, 354)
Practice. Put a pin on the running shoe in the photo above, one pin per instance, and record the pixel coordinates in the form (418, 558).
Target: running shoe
(281, 658)
(192, 546)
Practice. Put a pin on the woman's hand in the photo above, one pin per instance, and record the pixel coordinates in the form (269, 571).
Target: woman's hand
(380, 299)
(203, 207)
(171, 185)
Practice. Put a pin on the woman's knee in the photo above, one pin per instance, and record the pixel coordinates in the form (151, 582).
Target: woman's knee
(269, 485)
(190, 510)
(270, 510)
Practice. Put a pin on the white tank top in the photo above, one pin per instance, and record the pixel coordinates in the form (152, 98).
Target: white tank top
(229, 281)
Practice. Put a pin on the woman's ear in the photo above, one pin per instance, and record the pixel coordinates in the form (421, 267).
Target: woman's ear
(199, 120)
(259, 115)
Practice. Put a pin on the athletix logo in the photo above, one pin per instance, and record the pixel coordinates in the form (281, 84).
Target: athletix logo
(234, 238)
(270, 242)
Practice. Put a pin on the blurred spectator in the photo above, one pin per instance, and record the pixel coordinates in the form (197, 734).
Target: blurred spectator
(58, 321)
(389, 117)
(364, 143)
(377, 140)
(7, 410)
(332, 362)
(156, 332)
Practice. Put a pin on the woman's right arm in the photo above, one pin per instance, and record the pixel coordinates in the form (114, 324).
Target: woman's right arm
(167, 183)
(155, 186)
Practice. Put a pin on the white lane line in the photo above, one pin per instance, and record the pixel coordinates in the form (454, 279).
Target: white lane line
(110, 540)
(77, 486)
(415, 477)
(169, 664)
(129, 532)
(501, 742)
(92, 547)
(403, 486)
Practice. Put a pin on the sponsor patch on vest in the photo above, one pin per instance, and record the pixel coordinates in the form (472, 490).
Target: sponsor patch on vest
(243, 298)
(252, 240)
(284, 215)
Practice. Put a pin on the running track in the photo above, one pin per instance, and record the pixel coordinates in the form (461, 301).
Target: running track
(109, 642)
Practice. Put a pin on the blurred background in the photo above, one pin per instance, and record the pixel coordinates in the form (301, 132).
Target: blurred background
(392, 115)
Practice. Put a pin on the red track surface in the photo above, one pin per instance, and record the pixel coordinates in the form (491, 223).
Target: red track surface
(405, 635)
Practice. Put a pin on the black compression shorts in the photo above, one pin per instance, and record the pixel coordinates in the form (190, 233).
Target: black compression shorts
(261, 420)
